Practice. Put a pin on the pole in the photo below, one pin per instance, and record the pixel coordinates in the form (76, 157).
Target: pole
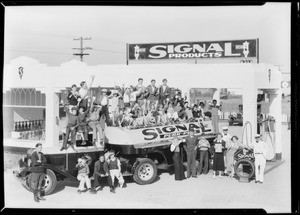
(82, 49)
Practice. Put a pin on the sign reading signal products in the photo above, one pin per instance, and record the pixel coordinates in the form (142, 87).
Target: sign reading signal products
(244, 49)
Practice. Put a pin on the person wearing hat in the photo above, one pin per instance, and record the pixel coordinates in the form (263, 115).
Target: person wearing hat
(73, 123)
(152, 94)
(178, 165)
(260, 151)
(115, 105)
(227, 138)
(83, 175)
(104, 104)
(218, 155)
(38, 159)
(191, 149)
(203, 146)
(101, 173)
(114, 166)
(164, 93)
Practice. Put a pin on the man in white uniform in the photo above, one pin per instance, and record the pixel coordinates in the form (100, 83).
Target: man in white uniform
(260, 151)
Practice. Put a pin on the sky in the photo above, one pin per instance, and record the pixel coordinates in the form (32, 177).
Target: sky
(47, 33)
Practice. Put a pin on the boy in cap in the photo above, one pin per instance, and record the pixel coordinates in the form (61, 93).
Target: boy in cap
(164, 93)
(73, 123)
(260, 151)
(83, 175)
(190, 147)
(38, 159)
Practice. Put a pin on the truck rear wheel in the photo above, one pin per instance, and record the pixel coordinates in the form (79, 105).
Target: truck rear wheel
(145, 171)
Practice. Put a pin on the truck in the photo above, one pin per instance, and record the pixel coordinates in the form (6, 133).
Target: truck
(142, 151)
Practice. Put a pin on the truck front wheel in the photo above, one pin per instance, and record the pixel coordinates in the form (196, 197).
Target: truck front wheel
(145, 171)
(50, 182)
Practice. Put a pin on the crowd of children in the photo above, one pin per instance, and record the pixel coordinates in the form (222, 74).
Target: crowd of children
(131, 107)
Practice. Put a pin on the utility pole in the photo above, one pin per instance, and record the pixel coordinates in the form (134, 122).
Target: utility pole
(81, 49)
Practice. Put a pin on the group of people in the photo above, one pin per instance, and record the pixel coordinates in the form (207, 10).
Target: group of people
(105, 172)
(131, 107)
(222, 151)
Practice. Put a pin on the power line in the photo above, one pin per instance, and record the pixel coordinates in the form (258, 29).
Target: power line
(101, 50)
(37, 51)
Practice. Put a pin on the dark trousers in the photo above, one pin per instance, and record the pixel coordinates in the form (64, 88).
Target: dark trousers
(37, 179)
(191, 163)
(178, 166)
(100, 181)
(106, 114)
(203, 159)
(73, 136)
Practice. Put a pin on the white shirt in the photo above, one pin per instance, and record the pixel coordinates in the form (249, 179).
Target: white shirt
(226, 138)
(133, 96)
(164, 88)
(104, 101)
(83, 93)
(260, 147)
(126, 98)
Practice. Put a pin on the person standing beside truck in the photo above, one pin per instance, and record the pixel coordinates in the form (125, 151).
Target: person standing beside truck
(260, 151)
(38, 159)
(178, 165)
(218, 157)
(190, 147)
(203, 146)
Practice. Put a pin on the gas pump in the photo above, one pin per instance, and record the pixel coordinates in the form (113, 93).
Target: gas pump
(269, 137)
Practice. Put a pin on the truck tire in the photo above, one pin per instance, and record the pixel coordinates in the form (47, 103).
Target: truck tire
(249, 170)
(50, 182)
(145, 171)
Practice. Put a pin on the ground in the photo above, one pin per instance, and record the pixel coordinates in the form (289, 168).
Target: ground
(202, 192)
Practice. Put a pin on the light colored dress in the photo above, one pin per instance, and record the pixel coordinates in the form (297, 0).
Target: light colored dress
(232, 147)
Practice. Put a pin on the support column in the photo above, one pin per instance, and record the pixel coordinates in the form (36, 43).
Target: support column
(275, 111)
(249, 104)
(52, 113)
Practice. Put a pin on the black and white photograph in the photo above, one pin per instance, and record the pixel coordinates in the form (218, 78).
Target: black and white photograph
(147, 107)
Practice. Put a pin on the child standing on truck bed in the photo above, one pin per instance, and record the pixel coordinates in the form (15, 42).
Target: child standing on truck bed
(83, 175)
(73, 123)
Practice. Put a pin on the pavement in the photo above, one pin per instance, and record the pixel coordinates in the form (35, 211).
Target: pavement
(274, 195)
